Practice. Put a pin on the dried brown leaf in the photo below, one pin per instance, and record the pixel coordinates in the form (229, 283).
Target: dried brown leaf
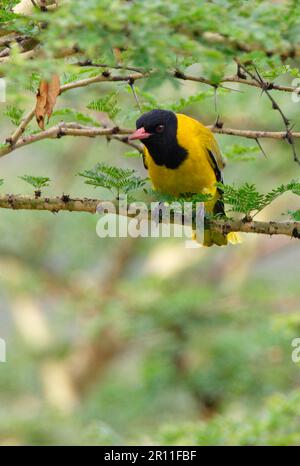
(46, 99)
(53, 92)
(41, 102)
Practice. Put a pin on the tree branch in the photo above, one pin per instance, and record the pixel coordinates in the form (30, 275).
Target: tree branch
(75, 129)
(253, 134)
(65, 203)
(103, 77)
(20, 129)
(63, 129)
(232, 79)
(125, 140)
(186, 77)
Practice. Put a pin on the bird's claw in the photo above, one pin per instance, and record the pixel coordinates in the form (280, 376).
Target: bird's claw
(159, 212)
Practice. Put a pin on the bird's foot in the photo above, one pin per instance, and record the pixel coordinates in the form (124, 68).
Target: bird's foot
(159, 212)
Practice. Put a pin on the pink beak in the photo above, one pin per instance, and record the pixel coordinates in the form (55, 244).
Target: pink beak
(140, 133)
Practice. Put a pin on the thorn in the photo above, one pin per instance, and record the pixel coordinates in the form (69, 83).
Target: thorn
(259, 76)
(289, 136)
(178, 74)
(261, 148)
(115, 130)
(159, 211)
(239, 72)
(216, 99)
(65, 198)
(218, 123)
(131, 84)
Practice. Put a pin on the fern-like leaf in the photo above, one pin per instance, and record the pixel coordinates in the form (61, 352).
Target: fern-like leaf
(15, 114)
(245, 199)
(293, 186)
(37, 182)
(117, 180)
(295, 215)
(107, 104)
(238, 153)
(69, 114)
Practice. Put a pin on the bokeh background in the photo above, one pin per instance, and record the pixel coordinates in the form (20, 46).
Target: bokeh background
(142, 341)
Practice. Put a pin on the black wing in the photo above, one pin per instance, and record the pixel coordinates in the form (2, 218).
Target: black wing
(215, 166)
(219, 205)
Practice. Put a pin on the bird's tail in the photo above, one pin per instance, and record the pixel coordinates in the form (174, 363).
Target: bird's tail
(214, 237)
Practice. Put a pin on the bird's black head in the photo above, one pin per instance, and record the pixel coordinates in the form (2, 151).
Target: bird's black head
(158, 131)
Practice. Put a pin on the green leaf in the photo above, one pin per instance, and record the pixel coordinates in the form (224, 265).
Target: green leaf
(69, 114)
(107, 104)
(295, 215)
(32, 82)
(293, 186)
(15, 114)
(135, 153)
(6, 16)
(115, 179)
(237, 153)
(247, 199)
(37, 182)
(243, 200)
(149, 102)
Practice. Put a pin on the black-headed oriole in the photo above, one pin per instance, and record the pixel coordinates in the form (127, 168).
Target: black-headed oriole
(182, 156)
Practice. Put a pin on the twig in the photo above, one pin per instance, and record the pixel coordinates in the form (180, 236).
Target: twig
(91, 64)
(64, 129)
(20, 129)
(25, 55)
(231, 79)
(65, 203)
(124, 139)
(103, 77)
(252, 134)
(264, 86)
(186, 77)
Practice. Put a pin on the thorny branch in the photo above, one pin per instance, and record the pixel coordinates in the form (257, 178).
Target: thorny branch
(66, 203)
(64, 129)
(75, 129)
(265, 88)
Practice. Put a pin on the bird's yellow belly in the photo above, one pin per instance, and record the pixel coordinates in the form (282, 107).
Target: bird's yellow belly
(192, 176)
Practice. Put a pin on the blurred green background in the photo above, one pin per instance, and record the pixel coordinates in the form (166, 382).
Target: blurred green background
(142, 341)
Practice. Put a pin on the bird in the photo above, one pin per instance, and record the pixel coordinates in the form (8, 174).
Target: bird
(182, 156)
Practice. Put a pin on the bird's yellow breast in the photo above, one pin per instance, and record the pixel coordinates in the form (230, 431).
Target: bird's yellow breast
(195, 174)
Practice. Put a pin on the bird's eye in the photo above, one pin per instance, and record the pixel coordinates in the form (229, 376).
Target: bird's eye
(159, 129)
